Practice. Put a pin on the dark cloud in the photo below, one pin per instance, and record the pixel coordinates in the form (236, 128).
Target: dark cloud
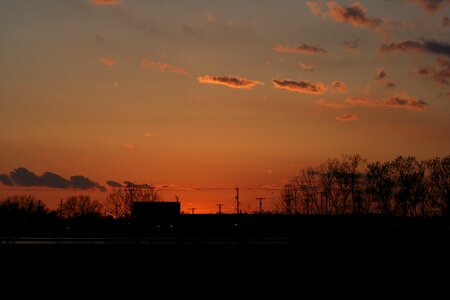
(305, 49)
(6, 180)
(431, 46)
(440, 73)
(229, 81)
(84, 183)
(381, 74)
(54, 180)
(112, 183)
(23, 177)
(391, 84)
(303, 87)
(403, 101)
(142, 185)
(354, 14)
(431, 5)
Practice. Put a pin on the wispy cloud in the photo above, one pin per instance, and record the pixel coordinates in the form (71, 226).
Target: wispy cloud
(303, 49)
(107, 61)
(439, 73)
(162, 67)
(339, 86)
(229, 81)
(23, 177)
(211, 17)
(351, 46)
(306, 67)
(106, 2)
(149, 134)
(431, 6)
(430, 46)
(333, 105)
(314, 7)
(402, 101)
(130, 146)
(354, 14)
(303, 87)
(347, 118)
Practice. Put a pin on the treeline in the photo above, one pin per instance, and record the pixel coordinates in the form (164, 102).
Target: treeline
(118, 205)
(404, 186)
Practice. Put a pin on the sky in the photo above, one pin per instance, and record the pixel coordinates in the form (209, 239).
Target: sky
(199, 97)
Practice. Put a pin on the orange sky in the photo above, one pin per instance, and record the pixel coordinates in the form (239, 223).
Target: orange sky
(214, 94)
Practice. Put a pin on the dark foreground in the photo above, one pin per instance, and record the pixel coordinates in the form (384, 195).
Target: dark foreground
(229, 241)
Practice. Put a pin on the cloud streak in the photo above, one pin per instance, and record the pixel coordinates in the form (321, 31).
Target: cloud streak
(107, 61)
(306, 67)
(347, 118)
(23, 177)
(354, 14)
(303, 49)
(106, 2)
(401, 101)
(431, 6)
(324, 103)
(440, 74)
(430, 46)
(229, 81)
(302, 87)
(339, 86)
(162, 67)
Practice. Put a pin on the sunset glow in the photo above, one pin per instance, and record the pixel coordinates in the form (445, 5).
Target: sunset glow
(197, 98)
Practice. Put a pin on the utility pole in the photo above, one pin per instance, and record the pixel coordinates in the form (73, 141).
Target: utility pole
(220, 207)
(193, 210)
(176, 197)
(260, 203)
(238, 211)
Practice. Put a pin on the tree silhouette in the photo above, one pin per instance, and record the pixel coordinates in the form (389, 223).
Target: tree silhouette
(380, 186)
(439, 185)
(119, 202)
(81, 206)
(409, 190)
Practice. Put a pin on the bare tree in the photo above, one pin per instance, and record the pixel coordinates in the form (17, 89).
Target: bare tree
(82, 206)
(409, 191)
(439, 185)
(120, 201)
(380, 186)
(24, 207)
(308, 183)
